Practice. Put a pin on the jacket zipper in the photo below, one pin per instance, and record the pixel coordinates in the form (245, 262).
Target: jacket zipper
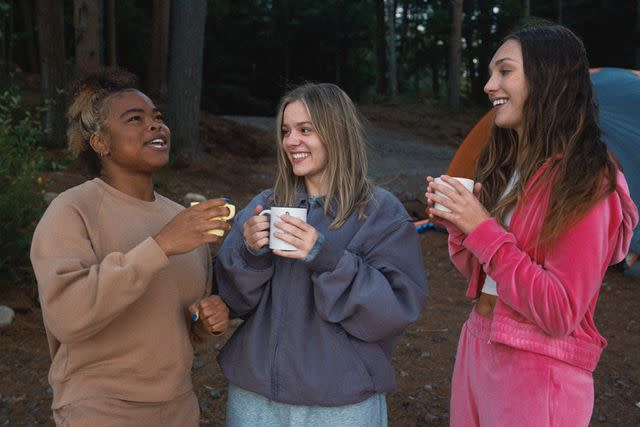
(281, 317)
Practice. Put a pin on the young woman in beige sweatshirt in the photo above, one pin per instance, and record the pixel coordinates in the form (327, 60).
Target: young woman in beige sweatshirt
(122, 270)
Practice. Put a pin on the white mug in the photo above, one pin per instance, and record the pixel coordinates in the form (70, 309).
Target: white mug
(468, 184)
(276, 212)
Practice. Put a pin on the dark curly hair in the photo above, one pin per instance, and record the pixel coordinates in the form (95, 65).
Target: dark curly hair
(86, 113)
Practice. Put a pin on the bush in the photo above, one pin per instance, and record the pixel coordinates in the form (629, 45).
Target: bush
(21, 202)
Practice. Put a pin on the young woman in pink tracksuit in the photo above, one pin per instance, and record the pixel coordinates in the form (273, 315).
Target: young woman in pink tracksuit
(549, 212)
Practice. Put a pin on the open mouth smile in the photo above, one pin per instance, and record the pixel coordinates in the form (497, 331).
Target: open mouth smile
(160, 143)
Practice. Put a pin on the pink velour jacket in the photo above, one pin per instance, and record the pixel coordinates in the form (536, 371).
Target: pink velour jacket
(547, 297)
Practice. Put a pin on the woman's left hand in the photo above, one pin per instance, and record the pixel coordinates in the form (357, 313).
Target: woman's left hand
(466, 210)
(297, 233)
(212, 314)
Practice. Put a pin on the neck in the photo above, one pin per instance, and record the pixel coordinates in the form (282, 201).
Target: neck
(315, 187)
(138, 186)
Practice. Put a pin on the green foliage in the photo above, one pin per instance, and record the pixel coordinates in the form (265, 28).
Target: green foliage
(20, 199)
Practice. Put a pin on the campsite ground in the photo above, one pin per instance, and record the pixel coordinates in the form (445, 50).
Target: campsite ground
(425, 355)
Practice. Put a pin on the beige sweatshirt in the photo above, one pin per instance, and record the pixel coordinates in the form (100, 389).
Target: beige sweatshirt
(114, 306)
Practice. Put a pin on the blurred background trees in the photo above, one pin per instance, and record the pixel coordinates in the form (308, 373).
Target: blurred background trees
(253, 49)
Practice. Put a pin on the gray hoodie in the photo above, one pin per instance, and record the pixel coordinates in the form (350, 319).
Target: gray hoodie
(322, 332)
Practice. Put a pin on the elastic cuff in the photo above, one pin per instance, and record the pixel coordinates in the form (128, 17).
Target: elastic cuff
(257, 260)
(455, 235)
(149, 256)
(262, 251)
(315, 249)
(485, 239)
(326, 258)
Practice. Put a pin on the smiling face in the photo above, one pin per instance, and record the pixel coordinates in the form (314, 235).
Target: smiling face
(507, 86)
(303, 148)
(134, 138)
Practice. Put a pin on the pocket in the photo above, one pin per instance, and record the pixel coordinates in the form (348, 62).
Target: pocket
(353, 360)
(571, 395)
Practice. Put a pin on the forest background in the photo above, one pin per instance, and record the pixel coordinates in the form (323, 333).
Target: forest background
(238, 57)
(200, 59)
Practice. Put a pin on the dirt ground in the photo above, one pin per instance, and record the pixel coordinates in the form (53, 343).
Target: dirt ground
(424, 357)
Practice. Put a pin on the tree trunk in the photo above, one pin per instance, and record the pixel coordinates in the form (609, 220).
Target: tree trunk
(435, 78)
(381, 49)
(88, 24)
(638, 32)
(50, 19)
(391, 35)
(111, 32)
(339, 54)
(473, 82)
(484, 24)
(6, 47)
(26, 8)
(455, 57)
(404, 29)
(159, 48)
(527, 8)
(185, 77)
(560, 12)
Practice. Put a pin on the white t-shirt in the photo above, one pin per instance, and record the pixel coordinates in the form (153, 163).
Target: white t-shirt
(490, 285)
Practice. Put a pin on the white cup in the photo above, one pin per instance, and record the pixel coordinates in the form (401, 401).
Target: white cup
(276, 212)
(468, 184)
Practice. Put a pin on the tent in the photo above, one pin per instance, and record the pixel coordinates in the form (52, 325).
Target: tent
(618, 94)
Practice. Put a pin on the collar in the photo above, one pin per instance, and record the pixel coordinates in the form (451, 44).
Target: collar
(303, 199)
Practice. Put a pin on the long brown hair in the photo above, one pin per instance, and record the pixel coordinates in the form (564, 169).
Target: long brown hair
(337, 123)
(559, 126)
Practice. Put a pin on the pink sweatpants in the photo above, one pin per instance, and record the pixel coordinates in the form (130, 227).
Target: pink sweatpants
(496, 385)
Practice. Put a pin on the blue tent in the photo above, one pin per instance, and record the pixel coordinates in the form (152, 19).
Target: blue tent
(618, 93)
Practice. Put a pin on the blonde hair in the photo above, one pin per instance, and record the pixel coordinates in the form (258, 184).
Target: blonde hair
(86, 113)
(337, 123)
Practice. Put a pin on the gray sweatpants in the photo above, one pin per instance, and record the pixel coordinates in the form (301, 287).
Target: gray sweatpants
(248, 409)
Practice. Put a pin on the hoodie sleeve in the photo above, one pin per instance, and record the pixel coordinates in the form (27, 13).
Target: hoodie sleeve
(461, 258)
(80, 294)
(377, 286)
(555, 295)
(242, 275)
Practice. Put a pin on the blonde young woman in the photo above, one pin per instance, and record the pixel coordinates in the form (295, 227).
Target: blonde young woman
(121, 269)
(321, 321)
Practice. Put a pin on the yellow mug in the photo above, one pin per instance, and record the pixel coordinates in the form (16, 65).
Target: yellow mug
(232, 213)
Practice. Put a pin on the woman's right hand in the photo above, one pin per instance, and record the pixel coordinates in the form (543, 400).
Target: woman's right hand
(431, 204)
(256, 230)
(189, 229)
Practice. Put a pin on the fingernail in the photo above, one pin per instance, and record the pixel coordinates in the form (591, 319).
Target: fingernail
(195, 316)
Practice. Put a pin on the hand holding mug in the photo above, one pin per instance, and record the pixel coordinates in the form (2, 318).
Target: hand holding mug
(463, 209)
(256, 230)
(212, 313)
(431, 205)
(298, 234)
(190, 228)
(226, 217)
